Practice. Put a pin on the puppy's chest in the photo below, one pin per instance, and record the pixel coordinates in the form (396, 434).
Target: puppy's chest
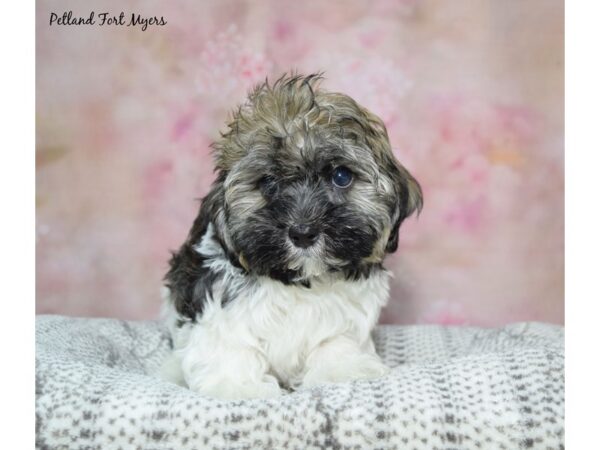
(291, 321)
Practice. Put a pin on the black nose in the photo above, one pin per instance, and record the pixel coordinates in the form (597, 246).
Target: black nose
(303, 235)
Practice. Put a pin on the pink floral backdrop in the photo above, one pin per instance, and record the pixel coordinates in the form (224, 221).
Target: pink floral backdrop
(471, 93)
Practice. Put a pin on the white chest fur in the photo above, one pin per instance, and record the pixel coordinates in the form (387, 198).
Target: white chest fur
(288, 322)
(273, 328)
(284, 324)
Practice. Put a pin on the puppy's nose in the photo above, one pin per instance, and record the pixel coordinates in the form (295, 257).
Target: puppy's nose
(303, 235)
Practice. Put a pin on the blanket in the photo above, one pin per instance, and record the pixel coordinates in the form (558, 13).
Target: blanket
(449, 388)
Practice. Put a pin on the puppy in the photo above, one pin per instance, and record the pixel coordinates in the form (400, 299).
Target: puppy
(280, 280)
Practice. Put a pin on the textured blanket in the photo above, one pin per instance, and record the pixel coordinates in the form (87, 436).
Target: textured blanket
(450, 387)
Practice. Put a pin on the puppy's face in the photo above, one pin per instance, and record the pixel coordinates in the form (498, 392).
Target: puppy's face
(308, 184)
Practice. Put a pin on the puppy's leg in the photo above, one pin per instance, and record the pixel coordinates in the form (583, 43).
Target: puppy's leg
(171, 369)
(219, 363)
(342, 359)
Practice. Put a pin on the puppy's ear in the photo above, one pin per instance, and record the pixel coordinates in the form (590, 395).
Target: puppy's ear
(410, 199)
(212, 210)
(407, 192)
(188, 279)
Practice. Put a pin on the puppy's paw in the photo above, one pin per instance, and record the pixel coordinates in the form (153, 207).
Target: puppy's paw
(171, 370)
(354, 367)
(240, 390)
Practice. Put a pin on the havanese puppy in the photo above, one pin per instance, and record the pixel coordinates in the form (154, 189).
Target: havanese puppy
(280, 281)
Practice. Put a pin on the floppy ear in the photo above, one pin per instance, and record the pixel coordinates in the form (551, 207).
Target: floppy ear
(410, 199)
(211, 210)
(188, 279)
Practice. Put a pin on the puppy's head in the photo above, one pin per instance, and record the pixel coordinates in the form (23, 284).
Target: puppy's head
(308, 184)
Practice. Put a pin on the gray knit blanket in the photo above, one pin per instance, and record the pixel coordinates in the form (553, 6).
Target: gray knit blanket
(450, 388)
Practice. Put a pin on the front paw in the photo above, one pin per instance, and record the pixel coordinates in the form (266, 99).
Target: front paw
(355, 367)
(238, 389)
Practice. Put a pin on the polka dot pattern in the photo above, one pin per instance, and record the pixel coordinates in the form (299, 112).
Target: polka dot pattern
(450, 387)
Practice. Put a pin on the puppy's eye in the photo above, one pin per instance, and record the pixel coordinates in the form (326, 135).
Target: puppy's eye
(342, 177)
(267, 186)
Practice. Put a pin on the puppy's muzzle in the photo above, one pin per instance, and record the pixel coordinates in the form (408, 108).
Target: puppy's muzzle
(303, 235)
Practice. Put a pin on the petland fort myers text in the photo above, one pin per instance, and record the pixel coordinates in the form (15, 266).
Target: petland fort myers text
(107, 19)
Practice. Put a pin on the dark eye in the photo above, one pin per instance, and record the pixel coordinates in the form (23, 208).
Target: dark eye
(267, 186)
(342, 177)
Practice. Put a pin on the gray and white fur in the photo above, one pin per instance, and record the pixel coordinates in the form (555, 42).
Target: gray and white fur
(280, 280)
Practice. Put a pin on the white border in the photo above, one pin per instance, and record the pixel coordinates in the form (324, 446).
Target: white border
(17, 200)
(582, 219)
(17, 43)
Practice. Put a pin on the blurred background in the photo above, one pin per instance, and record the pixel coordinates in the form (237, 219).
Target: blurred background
(471, 93)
